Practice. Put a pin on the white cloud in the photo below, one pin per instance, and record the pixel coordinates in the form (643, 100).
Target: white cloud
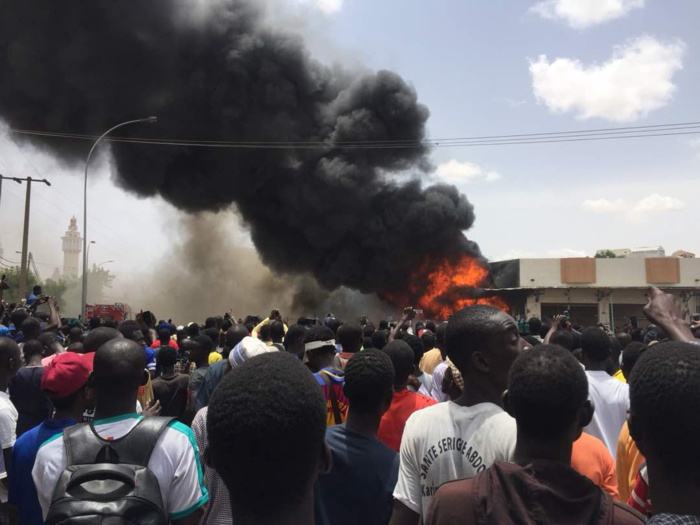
(580, 14)
(327, 6)
(638, 211)
(455, 172)
(634, 81)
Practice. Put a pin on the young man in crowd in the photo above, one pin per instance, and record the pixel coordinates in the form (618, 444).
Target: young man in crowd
(459, 439)
(548, 397)
(319, 349)
(267, 443)
(664, 403)
(215, 372)
(294, 340)
(10, 361)
(432, 356)
(170, 388)
(118, 371)
(218, 509)
(350, 341)
(609, 396)
(405, 402)
(363, 471)
(199, 348)
(64, 381)
(26, 395)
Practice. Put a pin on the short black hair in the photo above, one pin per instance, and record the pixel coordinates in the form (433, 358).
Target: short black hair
(535, 325)
(563, 338)
(293, 335)
(430, 325)
(210, 322)
(468, 330)
(164, 334)
(383, 325)
(277, 331)
(428, 339)
(595, 344)
(129, 328)
(167, 356)
(546, 388)
(349, 337)
(416, 345)
(369, 380)
(213, 334)
(204, 342)
(267, 415)
(379, 339)
(32, 348)
(99, 336)
(95, 322)
(630, 356)
(664, 403)
(401, 356)
(36, 289)
(31, 328)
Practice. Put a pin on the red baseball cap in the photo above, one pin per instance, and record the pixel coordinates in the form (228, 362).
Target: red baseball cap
(66, 374)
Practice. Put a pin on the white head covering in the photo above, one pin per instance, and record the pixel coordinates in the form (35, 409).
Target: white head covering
(249, 347)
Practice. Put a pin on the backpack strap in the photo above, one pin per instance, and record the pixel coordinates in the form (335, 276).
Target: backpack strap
(84, 446)
(334, 399)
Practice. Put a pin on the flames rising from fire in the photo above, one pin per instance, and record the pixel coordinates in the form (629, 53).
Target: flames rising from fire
(441, 287)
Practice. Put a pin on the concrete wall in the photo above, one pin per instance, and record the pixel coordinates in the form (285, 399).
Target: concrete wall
(610, 273)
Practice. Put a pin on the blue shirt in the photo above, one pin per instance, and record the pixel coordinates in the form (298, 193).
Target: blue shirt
(214, 375)
(359, 487)
(21, 489)
(31, 299)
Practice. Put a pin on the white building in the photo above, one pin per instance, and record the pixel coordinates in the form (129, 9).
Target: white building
(641, 252)
(72, 246)
(611, 291)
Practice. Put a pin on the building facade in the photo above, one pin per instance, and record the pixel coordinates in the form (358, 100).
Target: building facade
(610, 291)
(72, 246)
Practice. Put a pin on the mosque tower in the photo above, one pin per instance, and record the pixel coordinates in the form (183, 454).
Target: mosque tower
(72, 246)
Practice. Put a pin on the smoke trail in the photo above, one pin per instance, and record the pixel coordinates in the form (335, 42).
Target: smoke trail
(219, 73)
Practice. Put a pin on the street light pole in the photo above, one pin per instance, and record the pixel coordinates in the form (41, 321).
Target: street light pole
(150, 120)
(25, 234)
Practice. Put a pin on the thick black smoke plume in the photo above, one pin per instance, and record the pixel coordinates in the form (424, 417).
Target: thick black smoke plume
(221, 74)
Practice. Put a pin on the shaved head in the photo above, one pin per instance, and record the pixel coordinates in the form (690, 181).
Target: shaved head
(119, 367)
(235, 334)
(9, 351)
(99, 336)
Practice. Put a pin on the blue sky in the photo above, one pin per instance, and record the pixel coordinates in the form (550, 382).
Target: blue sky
(476, 64)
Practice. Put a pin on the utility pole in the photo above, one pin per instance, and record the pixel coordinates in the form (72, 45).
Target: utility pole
(25, 233)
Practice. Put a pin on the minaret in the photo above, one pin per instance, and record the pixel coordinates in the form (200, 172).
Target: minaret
(72, 246)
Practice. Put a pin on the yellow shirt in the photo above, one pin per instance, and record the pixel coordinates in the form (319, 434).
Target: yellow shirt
(620, 376)
(214, 357)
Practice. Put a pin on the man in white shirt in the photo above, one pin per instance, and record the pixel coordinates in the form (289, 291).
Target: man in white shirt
(10, 361)
(610, 397)
(458, 439)
(119, 369)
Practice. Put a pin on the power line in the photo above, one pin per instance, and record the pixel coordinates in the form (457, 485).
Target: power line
(657, 130)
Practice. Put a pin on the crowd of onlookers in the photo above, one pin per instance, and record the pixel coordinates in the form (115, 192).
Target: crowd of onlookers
(479, 419)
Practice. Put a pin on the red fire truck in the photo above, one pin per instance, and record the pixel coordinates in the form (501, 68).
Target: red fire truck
(113, 312)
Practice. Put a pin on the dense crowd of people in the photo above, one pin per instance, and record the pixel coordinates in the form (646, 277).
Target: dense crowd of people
(478, 419)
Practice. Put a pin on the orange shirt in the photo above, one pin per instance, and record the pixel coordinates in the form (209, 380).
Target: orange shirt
(590, 458)
(628, 461)
(403, 404)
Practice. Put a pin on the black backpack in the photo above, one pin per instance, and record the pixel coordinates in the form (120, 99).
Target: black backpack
(108, 482)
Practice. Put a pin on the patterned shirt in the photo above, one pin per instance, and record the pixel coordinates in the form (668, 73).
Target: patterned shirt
(674, 519)
(218, 510)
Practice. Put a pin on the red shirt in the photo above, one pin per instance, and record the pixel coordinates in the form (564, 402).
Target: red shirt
(158, 343)
(403, 404)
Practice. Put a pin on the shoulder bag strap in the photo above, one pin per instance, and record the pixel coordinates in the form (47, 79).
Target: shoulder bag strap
(334, 399)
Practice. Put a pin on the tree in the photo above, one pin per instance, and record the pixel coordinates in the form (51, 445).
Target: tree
(11, 295)
(605, 254)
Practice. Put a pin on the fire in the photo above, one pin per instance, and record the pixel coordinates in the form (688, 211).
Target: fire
(441, 287)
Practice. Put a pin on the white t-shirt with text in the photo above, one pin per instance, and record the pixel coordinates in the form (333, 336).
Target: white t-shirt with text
(611, 400)
(446, 442)
(174, 462)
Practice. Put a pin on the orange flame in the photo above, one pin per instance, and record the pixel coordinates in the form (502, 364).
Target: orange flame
(441, 287)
